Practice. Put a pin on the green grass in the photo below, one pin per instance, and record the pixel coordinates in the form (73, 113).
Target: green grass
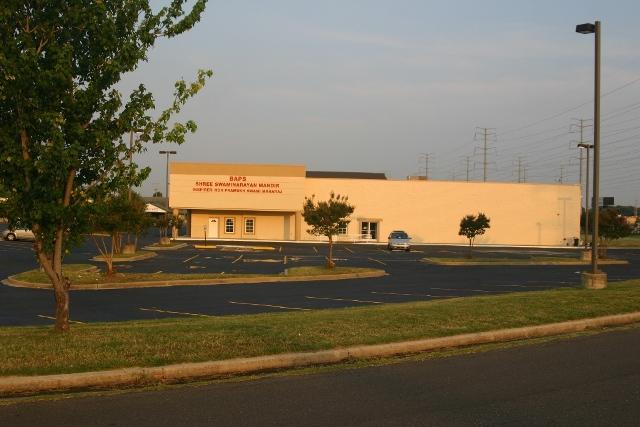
(39, 350)
(625, 242)
(84, 274)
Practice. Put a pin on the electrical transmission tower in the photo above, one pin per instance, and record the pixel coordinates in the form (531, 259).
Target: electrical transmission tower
(484, 135)
(467, 160)
(579, 127)
(425, 158)
(522, 170)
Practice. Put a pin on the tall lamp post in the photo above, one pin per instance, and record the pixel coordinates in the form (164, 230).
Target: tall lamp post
(168, 153)
(596, 279)
(586, 197)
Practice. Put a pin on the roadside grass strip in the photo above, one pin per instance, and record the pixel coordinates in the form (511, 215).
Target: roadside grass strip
(83, 276)
(99, 346)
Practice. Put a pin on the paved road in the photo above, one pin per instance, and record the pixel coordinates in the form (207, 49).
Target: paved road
(409, 279)
(585, 381)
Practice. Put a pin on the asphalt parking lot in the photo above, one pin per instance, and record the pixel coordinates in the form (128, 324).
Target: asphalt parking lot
(408, 279)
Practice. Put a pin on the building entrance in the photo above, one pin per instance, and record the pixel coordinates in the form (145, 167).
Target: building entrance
(369, 230)
(212, 227)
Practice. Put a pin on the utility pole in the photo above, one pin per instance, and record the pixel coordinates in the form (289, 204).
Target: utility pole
(425, 157)
(168, 153)
(521, 170)
(468, 161)
(484, 134)
(579, 127)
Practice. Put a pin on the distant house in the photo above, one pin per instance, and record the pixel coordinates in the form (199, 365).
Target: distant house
(156, 205)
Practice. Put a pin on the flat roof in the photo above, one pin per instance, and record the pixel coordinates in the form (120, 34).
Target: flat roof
(347, 175)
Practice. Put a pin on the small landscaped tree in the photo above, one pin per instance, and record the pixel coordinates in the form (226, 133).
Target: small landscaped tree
(327, 217)
(612, 226)
(472, 226)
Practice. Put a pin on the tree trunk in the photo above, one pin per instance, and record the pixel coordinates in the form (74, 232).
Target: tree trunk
(52, 266)
(470, 255)
(330, 263)
(61, 292)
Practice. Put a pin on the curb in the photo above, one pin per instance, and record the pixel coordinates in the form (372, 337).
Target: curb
(12, 281)
(191, 371)
(165, 248)
(520, 263)
(146, 255)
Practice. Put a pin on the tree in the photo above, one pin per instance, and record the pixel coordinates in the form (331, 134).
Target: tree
(62, 120)
(326, 218)
(611, 226)
(113, 216)
(472, 226)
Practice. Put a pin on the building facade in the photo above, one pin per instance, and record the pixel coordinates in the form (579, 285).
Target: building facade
(264, 202)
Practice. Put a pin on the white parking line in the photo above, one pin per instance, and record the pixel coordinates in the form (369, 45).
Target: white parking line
(348, 300)
(414, 295)
(237, 259)
(269, 305)
(189, 259)
(348, 249)
(466, 290)
(53, 318)
(525, 286)
(376, 260)
(174, 312)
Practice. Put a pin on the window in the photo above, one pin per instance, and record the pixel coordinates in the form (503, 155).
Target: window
(342, 230)
(229, 225)
(249, 225)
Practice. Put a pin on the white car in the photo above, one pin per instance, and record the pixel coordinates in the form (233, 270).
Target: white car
(19, 234)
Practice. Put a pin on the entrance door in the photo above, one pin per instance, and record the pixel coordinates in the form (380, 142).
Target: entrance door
(212, 228)
(369, 230)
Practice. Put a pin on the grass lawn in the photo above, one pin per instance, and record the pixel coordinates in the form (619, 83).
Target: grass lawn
(84, 274)
(39, 350)
(625, 242)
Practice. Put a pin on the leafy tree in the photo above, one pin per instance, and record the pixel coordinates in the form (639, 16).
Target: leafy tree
(472, 226)
(111, 218)
(62, 120)
(611, 226)
(326, 218)
(167, 222)
(157, 194)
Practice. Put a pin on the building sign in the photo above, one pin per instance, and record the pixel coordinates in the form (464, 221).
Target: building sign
(235, 192)
(238, 184)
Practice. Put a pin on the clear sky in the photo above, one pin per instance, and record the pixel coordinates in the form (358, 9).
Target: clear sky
(374, 85)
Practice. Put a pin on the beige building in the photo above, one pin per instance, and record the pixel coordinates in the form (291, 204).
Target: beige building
(264, 202)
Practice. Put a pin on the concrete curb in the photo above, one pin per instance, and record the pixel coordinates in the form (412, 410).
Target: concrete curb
(14, 385)
(519, 263)
(146, 255)
(165, 248)
(12, 281)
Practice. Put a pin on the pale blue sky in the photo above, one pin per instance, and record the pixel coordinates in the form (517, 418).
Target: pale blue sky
(369, 85)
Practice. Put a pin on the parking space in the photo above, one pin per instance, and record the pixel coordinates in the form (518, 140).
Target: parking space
(409, 279)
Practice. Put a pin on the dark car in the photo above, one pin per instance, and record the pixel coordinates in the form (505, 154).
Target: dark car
(399, 239)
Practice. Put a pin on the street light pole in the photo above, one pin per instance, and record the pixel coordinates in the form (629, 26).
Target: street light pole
(586, 197)
(597, 279)
(167, 174)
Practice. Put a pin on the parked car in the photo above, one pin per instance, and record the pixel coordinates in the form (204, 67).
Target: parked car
(399, 239)
(18, 234)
